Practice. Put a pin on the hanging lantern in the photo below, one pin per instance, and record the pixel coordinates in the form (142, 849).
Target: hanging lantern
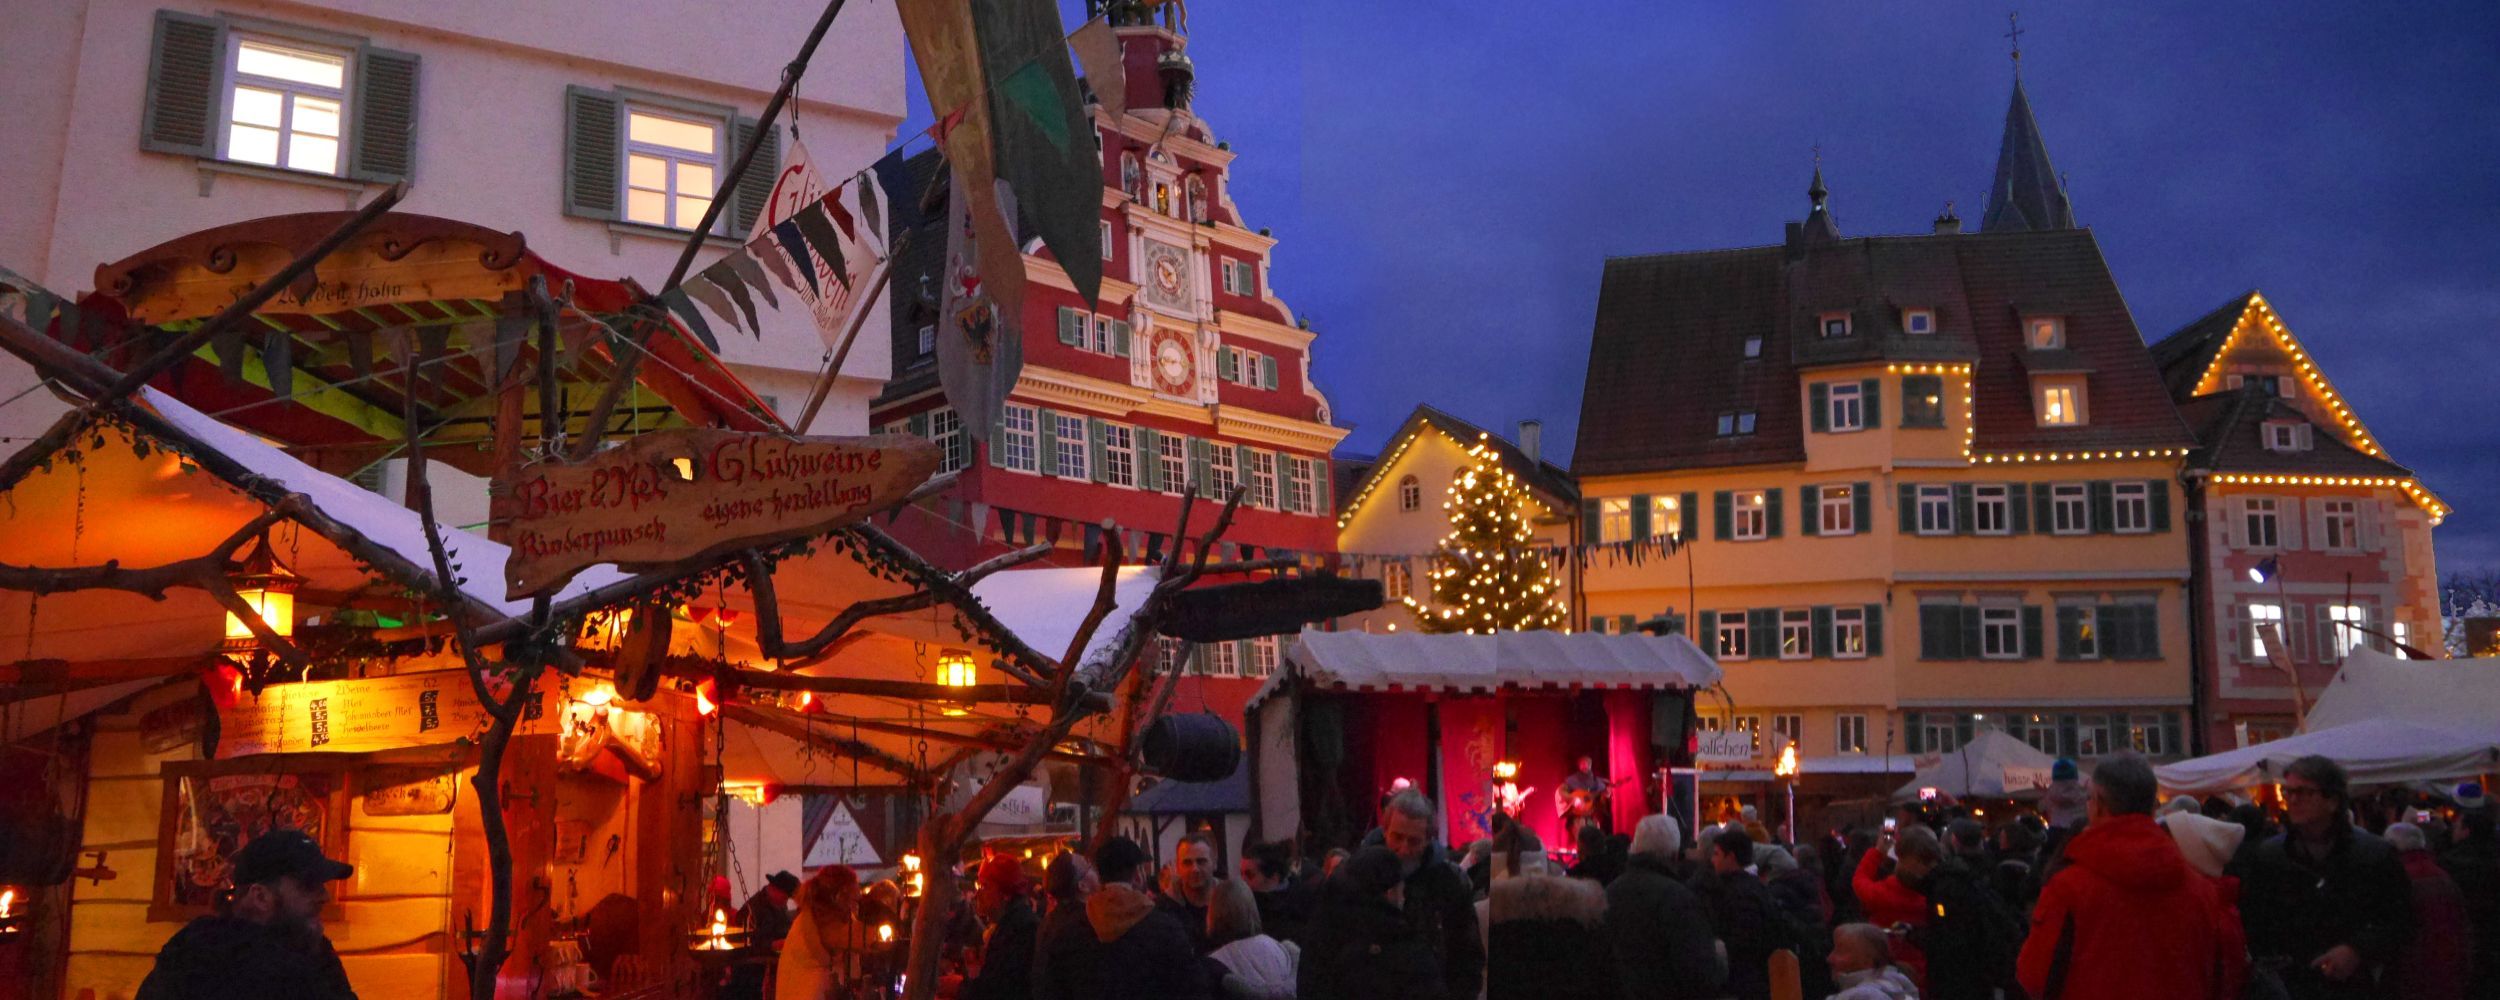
(913, 879)
(959, 673)
(269, 587)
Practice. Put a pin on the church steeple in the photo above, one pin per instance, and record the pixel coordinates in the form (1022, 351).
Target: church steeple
(2027, 193)
(1819, 225)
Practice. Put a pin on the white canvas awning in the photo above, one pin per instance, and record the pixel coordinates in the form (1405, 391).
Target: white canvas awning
(1415, 661)
(2387, 720)
(1993, 765)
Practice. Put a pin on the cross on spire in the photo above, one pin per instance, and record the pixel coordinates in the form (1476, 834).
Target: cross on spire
(2014, 33)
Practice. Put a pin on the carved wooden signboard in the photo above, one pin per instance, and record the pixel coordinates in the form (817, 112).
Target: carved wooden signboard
(680, 495)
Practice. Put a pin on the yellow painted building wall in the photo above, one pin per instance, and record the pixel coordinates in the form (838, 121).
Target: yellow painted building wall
(1376, 524)
(393, 911)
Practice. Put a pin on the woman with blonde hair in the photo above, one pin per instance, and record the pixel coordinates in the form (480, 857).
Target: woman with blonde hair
(1255, 966)
(827, 938)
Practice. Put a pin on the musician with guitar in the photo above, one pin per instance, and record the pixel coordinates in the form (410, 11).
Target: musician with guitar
(1582, 798)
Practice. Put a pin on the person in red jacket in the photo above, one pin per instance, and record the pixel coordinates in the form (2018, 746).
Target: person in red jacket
(2439, 953)
(1890, 902)
(2127, 917)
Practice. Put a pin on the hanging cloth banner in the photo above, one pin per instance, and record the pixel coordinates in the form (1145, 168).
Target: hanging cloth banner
(682, 307)
(980, 354)
(702, 290)
(1041, 134)
(827, 260)
(1098, 49)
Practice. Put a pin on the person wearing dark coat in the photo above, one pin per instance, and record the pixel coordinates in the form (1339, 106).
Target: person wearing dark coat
(1362, 945)
(1743, 914)
(1547, 937)
(767, 918)
(1066, 883)
(1004, 901)
(1440, 905)
(2327, 903)
(1285, 899)
(2474, 862)
(1125, 948)
(267, 940)
(1660, 930)
(1970, 937)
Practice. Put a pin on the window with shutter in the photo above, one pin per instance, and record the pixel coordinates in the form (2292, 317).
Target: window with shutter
(1874, 630)
(185, 61)
(755, 187)
(286, 104)
(383, 147)
(673, 165)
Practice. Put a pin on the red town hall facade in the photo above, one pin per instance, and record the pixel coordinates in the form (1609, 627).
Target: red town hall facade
(1190, 371)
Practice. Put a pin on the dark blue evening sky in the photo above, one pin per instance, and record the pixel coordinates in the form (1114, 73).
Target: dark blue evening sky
(1447, 179)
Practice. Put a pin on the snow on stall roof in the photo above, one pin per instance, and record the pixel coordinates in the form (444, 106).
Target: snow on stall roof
(1044, 606)
(1423, 662)
(370, 514)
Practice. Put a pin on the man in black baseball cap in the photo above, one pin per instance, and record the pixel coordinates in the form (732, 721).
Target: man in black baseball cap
(266, 940)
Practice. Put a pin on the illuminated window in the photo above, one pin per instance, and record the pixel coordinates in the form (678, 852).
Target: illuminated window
(1849, 736)
(285, 103)
(1918, 321)
(1666, 517)
(1796, 634)
(1732, 644)
(1736, 423)
(2060, 405)
(1397, 581)
(1410, 493)
(1753, 347)
(671, 159)
(1614, 519)
(2146, 733)
(1263, 480)
(2078, 632)
(2258, 622)
(2343, 625)
(1751, 516)
(1838, 508)
(2042, 334)
(1849, 633)
(1750, 725)
(1922, 401)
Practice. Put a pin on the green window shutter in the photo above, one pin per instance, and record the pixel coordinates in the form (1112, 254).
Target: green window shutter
(1810, 516)
(1687, 511)
(2105, 631)
(1862, 497)
(1267, 371)
(1321, 484)
(1640, 515)
(1874, 630)
(1046, 424)
(1095, 447)
(1913, 733)
(1962, 729)
(2159, 491)
(918, 423)
(755, 187)
(1874, 389)
(1588, 521)
(1935, 623)
(2170, 735)
(593, 121)
(998, 438)
(186, 70)
(1071, 327)
(2018, 503)
(1971, 645)
(2069, 628)
(2042, 497)
(1228, 364)
(1762, 631)
(1119, 337)
(1818, 408)
(1288, 480)
(1627, 624)
(1822, 619)
(1964, 507)
(1708, 638)
(1771, 512)
(1909, 508)
(383, 147)
(1723, 505)
(2104, 512)
(1201, 466)
(1241, 471)
(2148, 634)
(2069, 736)
(1149, 459)
(2031, 632)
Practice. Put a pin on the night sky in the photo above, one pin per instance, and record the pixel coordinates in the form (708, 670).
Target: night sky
(1447, 179)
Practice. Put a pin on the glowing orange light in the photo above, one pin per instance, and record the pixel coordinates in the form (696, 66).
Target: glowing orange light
(704, 698)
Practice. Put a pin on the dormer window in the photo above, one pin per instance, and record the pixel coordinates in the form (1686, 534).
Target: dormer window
(2044, 333)
(2285, 435)
(1918, 322)
(1753, 348)
(2058, 402)
(1835, 324)
(1736, 423)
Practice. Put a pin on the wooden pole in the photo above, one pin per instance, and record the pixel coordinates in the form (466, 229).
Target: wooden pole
(626, 361)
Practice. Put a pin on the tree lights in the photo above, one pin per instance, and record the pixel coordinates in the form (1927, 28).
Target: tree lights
(1486, 578)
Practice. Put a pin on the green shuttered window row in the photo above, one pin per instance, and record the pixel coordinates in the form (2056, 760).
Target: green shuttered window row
(2129, 506)
(186, 102)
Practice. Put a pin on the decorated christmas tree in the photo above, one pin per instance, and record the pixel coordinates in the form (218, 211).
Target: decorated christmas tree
(1487, 577)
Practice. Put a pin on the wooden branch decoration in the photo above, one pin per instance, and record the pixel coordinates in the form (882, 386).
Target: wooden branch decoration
(833, 742)
(209, 573)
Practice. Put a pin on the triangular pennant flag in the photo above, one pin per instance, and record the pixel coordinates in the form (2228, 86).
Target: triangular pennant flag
(431, 340)
(1098, 50)
(841, 216)
(277, 361)
(682, 307)
(871, 194)
(511, 331)
(1092, 547)
(702, 290)
(980, 516)
(1006, 525)
(765, 251)
(1028, 527)
(817, 229)
(786, 233)
(1051, 528)
(753, 274)
(727, 279)
(390, 345)
(228, 344)
(360, 351)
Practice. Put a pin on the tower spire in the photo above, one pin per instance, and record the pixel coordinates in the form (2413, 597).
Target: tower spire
(2027, 193)
(1819, 224)
(2014, 34)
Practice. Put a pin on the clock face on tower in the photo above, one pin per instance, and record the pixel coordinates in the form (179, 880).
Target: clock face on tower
(1175, 365)
(1167, 278)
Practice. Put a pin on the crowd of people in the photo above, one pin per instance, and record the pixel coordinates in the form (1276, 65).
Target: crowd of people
(2105, 891)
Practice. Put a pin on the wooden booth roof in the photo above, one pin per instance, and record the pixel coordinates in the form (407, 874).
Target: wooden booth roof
(322, 366)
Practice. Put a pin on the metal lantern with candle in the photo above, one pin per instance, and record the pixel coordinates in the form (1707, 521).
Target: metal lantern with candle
(268, 586)
(959, 673)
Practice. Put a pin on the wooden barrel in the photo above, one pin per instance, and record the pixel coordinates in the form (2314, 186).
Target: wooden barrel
(1197, 746)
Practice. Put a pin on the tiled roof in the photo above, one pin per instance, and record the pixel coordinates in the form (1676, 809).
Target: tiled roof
(1667, 355)
(1347, 473)
(2188, 351)
(2027, 193)
(2230, 429)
